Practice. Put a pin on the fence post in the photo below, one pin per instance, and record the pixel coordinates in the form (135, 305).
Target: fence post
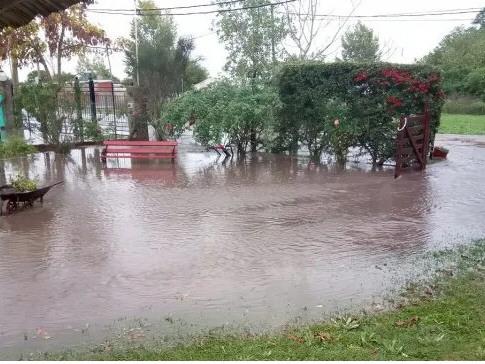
(92, 98)
(79, 115)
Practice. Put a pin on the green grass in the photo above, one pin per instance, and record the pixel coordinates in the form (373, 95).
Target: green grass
(443, 319)
(462, 124)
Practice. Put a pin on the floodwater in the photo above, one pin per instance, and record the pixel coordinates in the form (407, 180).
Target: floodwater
(252, 244)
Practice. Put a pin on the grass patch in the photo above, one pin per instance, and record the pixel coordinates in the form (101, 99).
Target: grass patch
(439, 320)
(462, 124)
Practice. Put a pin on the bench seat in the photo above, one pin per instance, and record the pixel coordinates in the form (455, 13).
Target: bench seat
(139, 149)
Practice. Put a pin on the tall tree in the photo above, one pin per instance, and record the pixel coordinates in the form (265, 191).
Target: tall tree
(461, 47)
(359, 44)
(194, 74)
(68, 33)
(459, 54)
(163, 58)
(94, 67)
(305, 29)
(59, 36)
(22, 46)
(252, 38)
(480, 18)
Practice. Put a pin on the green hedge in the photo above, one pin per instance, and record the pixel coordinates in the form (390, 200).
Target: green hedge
(366, 99)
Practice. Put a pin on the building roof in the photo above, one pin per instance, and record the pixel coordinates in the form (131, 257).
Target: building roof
(16, 13)
(204, 84)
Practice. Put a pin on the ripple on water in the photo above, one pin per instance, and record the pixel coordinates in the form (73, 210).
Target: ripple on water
(246, 242)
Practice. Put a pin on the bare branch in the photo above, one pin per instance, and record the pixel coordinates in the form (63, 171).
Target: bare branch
(304, 25)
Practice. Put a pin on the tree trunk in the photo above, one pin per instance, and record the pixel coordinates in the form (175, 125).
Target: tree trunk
(15, 71)
(42, 61)
(293, 147)
(341, 160)
(139, 118)
(59, 51)
(254, 141)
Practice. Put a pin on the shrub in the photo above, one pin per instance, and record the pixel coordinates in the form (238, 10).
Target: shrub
(223, 113)
(371, 98)
(475, 83)
(92, 131)
(23, 184)
(50, 107)
(14, 147)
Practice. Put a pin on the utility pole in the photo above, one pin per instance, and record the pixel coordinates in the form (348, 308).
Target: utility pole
(136, 45)
(273, 50)
(109, 62)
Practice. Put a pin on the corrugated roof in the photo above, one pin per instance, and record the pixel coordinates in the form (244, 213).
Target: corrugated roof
(16, 13)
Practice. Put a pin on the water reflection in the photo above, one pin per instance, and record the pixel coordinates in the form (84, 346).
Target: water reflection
(250, 242)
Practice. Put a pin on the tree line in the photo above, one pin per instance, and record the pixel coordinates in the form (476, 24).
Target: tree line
(258, 41)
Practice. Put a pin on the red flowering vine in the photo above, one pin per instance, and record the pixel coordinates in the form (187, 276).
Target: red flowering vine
(361, 76)
(402, 87)
(394, 101)
(397, 76)
(420, 87)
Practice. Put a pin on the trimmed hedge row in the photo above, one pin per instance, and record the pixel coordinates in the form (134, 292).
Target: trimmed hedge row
(330, 107)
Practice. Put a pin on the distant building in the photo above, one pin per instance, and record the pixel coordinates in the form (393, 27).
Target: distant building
(204, 84)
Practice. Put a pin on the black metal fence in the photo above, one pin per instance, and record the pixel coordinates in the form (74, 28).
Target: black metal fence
(89, 108)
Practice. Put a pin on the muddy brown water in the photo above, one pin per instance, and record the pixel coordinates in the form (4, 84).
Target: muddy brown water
(255, 244)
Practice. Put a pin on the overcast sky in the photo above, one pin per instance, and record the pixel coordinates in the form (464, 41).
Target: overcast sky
(406, 40)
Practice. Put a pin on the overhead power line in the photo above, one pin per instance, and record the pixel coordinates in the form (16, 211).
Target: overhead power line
(176, 7)
(415, 20)
(142, 12)
(397, 15)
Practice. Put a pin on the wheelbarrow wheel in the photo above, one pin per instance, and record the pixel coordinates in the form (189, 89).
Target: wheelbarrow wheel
(11, 207)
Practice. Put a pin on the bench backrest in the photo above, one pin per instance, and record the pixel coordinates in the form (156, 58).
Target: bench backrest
(140, 143)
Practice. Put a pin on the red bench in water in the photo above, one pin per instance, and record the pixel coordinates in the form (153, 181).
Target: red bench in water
(139, 149)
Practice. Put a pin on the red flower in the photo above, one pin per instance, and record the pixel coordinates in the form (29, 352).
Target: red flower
(394, 101)
(396, 75)
(421, 87)
(361, 76)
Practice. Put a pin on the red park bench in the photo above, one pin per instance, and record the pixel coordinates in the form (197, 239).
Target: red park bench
(139, 149)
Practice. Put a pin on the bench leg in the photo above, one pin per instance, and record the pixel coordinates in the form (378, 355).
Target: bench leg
(103, 155)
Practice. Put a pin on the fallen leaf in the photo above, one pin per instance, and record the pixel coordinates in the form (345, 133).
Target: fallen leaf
(296, 338)
(324, 336)
(408, 323)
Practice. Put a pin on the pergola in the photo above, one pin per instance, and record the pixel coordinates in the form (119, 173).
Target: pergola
(15, 13)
